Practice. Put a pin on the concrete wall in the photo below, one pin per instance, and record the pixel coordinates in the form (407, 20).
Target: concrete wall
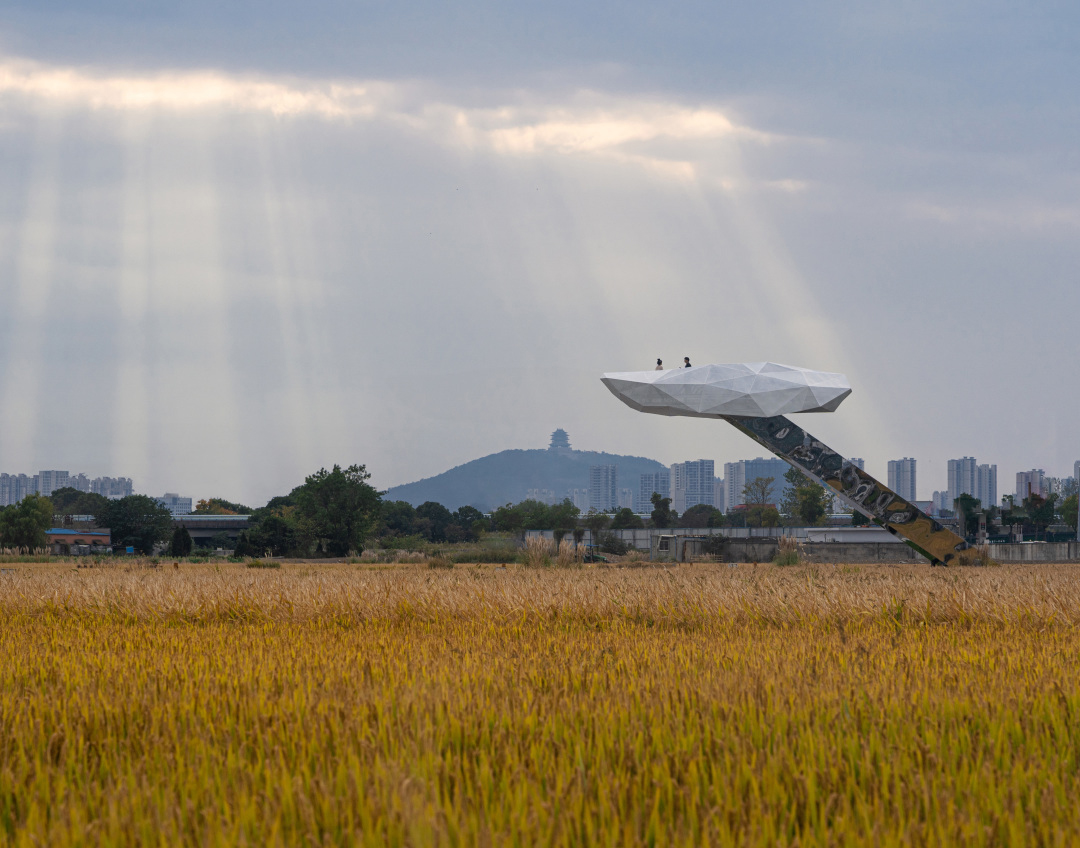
(841, 552)
(642, 539)
(1036, 552)
(764, 550)
(889, 549)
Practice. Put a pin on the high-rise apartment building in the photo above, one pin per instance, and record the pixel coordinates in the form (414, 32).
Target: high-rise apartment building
(579, 498)
(15, 487)
(734, 482)
(1031, 482)
(858, 462)
(175, 504)
(738, 474)
(658, 482)
(1056, 486)
(962, 478)
(603, 487)
(967, 477)
(719, 495)
(692, 483)
(25, 485)
(626, 498)
(986, 485)
(902, 477)
(111, 487)
(50, 481)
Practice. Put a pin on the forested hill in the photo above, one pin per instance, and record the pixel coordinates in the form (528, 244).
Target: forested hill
(506, 477)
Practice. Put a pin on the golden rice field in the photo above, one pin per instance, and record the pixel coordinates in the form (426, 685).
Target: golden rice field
(342, 705)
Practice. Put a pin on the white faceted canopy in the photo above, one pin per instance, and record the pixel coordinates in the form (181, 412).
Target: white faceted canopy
(750, 389)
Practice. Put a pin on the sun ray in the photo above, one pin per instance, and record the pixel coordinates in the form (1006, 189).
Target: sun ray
(20, 411)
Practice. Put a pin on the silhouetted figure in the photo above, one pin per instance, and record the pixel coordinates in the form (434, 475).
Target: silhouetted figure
(686, 360)
(659, 365)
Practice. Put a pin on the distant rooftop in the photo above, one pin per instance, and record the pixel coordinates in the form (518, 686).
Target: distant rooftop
(559, 439)
(204, 518)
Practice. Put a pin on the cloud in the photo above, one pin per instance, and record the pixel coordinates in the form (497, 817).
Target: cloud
(187, 91)
(637, 131)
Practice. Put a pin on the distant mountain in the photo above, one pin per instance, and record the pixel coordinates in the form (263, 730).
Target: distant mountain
(506, 477)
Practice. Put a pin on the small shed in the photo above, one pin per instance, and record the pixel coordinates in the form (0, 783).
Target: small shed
(681, 548)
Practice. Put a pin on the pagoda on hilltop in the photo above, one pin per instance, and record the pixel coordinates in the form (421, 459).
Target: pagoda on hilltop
(560, 441)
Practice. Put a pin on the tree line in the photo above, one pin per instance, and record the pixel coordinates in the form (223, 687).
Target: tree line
(330, 514)
(335, 513)
(136, 521)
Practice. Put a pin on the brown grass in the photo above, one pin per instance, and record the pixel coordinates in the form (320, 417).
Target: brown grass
(688, 595)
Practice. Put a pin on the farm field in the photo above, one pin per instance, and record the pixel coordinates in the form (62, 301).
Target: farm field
(345, 704)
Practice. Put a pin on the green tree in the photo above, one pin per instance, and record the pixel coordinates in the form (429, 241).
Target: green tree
(626, 520)
(1040, 511)
(609, 543)
(759, 491)
(181, 543)
(813, 505)
(662, 515)
(762, 516)
(597, 522)
(564, 517)
(271, 530)
(858, 519)
(702, 515)
(1008, 511)
(508, 519)
(467, 516)
(536, 514)
(806, 501)
(220, 506)
(23, 525)
(136, 521)
(336, 509)
(68, 501)
(221, 541)
(466, 524)
(1069, 510)
(397, 518)
(967, 511)
(432, 519)
(789, 503)
(736, 518)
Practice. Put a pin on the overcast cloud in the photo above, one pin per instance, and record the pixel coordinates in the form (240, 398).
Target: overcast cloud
(240, 243)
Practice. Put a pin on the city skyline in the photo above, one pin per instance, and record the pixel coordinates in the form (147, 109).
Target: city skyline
(963, 475)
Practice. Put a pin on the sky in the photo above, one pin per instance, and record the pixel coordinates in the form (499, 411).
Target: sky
(242, 241)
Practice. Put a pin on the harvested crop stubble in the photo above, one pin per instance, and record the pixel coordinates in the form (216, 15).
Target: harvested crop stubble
(729, 706)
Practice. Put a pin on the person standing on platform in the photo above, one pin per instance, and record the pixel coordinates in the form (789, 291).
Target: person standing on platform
(686, 359)
(659, 365)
